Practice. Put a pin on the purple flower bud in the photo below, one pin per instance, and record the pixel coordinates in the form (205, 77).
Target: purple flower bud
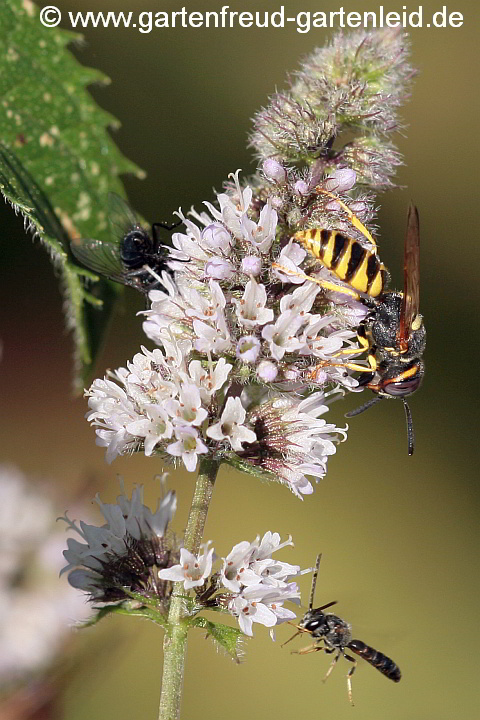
(292, 374)
(219, 269)
(276, 202)
(248, 348)
(321, 377)
(252, 265)
(301, 187)
(267, 371)
(360, 207)
(341, 180)
(215, 236)
(274, 170)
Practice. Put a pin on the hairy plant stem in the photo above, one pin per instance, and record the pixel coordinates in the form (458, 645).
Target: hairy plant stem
(175, 642)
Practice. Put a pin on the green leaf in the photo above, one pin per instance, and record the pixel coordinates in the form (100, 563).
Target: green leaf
(127, 608)
(57, 161)
(227, 637)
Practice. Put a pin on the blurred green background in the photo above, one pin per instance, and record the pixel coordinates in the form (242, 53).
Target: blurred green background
(399, 535)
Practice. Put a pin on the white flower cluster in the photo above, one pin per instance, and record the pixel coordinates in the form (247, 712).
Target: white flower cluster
(37, 610)
(258, 585)
(123, 554)
(230, 326)
(228, 299)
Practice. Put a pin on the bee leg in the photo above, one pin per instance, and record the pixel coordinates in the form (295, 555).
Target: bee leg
(308, 649)
(323, 283)
(333, 663)
(351, 216)
(349, 677)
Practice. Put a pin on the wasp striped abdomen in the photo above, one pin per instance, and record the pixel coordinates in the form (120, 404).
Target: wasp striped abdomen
(346, 258)
(380, 661)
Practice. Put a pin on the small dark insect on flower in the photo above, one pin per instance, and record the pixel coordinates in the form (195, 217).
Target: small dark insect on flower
(132, 256)
(334, 635)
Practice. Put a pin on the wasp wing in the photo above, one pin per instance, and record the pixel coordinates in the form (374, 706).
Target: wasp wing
(411, 289)
(101, 257)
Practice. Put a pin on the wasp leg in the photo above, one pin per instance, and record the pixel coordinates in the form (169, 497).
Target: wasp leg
(351, 216)
(349, 677)
(365, 345)
(349, 366)
(333, 663)
(323, 283)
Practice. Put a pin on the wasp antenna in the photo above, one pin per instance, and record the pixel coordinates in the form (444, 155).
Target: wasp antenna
(314, 580)
(363, 407)
(410, 433)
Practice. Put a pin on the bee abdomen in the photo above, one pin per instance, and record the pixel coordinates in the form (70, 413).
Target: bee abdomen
(346, 258)
(380, 661)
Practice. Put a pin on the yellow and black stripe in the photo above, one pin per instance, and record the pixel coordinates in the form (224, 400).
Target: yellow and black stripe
(346, 258)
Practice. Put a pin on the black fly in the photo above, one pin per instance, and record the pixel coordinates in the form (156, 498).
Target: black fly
(133, 256)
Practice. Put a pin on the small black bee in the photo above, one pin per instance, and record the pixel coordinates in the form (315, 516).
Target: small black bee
(336, 636)
(133, 256)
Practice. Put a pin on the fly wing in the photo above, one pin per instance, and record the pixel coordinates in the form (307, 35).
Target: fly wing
(24, 184)
(121, 217)
(411, 289)
(101, 257)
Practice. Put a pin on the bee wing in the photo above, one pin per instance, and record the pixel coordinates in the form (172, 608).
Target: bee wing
(411, 289)
(102, 257)
(121, 217)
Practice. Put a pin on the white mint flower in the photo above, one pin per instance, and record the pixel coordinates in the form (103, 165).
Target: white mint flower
(211, 380)
(188, 408)
(231, 425)
(193, 570)
(236, 565)
(153, 429)
(237, 312)
(262, 604)
(251, 563)
(281, 336)
(248, 349)
(188, 447)
(251, 310)
(124, 555)
(262, 234)
(293, 441)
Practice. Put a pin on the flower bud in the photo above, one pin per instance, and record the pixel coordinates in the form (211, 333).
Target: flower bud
(267, 371)
(301, 187)
(252, 265)
(274, 170)
(215, 236)
(219, 269)
(341, 180)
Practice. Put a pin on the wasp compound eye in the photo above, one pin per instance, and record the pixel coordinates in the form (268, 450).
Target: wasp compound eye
(402, 388)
